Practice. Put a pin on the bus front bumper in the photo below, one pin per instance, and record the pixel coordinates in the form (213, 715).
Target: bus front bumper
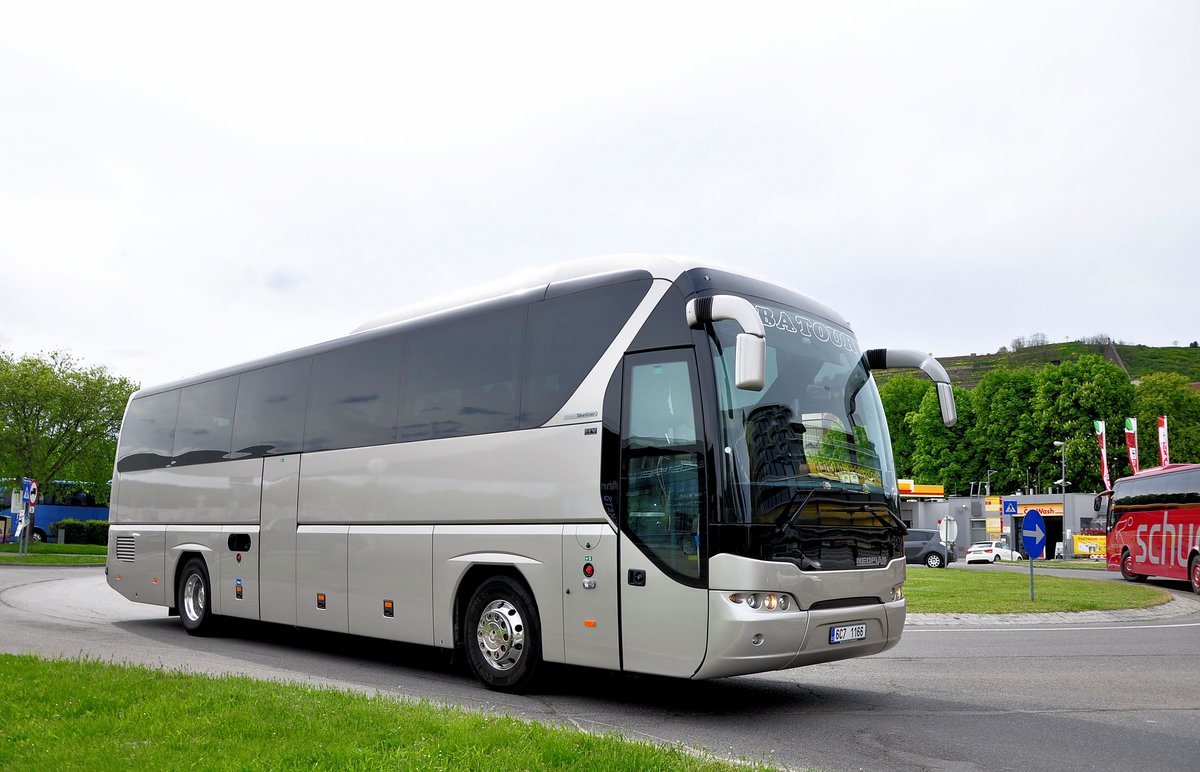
(743, 640)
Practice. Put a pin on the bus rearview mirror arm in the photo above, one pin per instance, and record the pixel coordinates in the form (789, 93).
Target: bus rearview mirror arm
(750, 368)
(890, 358)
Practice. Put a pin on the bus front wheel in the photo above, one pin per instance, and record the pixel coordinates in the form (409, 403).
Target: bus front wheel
(502, 635)
(1194, 573)
(193, 597)
(1127, 569)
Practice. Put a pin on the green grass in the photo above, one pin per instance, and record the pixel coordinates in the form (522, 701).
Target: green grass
(1142, 360)
(38, 548)
(51, 560)
(1084, 564)
(66, 715)
(55, 554)
(950, 591)
(967, 371)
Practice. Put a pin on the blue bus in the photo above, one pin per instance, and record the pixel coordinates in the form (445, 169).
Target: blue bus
(52, 508)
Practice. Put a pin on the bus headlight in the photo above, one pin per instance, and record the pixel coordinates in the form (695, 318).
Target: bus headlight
(898, 592)
(765, 601)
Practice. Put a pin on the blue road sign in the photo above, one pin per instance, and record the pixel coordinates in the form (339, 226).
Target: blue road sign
(1010, 508)
(1033, 534)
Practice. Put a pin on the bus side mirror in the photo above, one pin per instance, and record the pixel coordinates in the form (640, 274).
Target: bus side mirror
(887, 358)
(750, 359)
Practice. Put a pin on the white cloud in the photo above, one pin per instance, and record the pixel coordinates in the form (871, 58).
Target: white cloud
(209, 186)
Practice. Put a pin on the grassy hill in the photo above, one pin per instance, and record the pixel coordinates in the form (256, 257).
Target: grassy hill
(968, 370)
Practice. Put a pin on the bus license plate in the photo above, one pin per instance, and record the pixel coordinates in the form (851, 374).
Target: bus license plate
(847, 633)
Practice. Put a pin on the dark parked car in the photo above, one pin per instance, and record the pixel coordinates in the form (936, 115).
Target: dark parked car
(924, 546)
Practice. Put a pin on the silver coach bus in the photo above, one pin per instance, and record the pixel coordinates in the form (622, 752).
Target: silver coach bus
(637, 463)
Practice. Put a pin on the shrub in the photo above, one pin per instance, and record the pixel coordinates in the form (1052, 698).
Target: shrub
(83, 531)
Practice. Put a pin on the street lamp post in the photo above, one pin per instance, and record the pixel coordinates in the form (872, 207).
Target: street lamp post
(989, 480)
(1062, 446)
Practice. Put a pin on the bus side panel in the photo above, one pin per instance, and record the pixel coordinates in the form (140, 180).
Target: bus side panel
(1161, 542)
(528, 476)
(224, 492)
(137, 563)
(321, 598)
(277, 537)
(535, 551)
(591, 634)
(392, 564)
(239, 587)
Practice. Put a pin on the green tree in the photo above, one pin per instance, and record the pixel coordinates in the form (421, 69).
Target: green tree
(941, 454)
(59, 420)
(901, 395)
(1069, 397)
(1004, 434)
(1167, 394)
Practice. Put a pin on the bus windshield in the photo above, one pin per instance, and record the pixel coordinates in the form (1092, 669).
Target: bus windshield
(811, 448)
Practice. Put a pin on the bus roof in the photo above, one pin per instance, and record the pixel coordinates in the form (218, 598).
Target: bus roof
(1157, 470)
(668, 267)
(527, 284)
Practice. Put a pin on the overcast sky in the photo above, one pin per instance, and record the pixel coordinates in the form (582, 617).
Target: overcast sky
(183, 187)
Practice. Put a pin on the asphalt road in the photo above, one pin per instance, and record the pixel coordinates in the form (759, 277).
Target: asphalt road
(1062, 696)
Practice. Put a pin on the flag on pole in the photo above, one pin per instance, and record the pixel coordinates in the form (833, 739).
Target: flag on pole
(1131, 442)
(1164, 456)
(1103, 454)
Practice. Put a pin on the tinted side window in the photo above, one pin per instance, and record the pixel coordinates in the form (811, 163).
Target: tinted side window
(1163, 491)
(566, 336)
(205, 426)
(461, 378)
(271, 403)
(148, 432)
(354, 396)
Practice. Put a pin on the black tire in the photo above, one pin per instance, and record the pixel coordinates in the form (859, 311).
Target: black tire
(934, 560)
(996, 559)
(38, 536)
(1127, 569)
(1194, 573)
(193, 598)
(502, 635)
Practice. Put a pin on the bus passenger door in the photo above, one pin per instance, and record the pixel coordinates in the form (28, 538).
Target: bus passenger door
(663, 576)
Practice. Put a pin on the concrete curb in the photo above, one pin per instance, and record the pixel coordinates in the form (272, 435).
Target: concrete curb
(1176, 607)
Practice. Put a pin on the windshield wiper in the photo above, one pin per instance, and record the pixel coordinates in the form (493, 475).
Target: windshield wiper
(783, 524)
(780, 524)
(892, 517)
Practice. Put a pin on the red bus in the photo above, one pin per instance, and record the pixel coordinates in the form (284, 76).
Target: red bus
(1153, 524)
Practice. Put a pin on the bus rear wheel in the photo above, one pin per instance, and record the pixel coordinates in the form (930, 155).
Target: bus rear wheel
(502, 636)
(1194, 573)
(193, 598)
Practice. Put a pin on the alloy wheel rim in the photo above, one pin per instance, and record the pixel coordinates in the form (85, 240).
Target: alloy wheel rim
(194, 598)
(501, 635)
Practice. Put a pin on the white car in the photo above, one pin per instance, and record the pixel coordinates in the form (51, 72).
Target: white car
(991, 552)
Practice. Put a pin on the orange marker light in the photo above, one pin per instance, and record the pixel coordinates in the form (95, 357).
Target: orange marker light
(589, 623)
